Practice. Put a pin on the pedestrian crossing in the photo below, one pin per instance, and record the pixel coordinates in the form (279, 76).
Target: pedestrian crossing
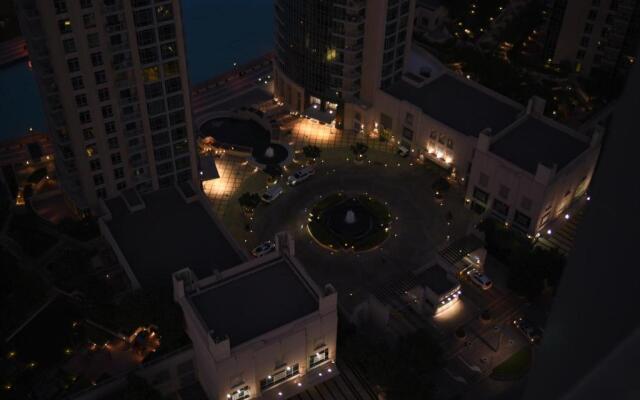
(460, 248)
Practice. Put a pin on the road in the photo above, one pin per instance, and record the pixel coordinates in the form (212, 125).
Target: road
(211, 94)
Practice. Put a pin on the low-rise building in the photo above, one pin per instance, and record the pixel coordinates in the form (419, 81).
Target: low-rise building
(439, 118)
(262, 329)
(156, 234)
(532, 173)
(517, 164)
(437, 290)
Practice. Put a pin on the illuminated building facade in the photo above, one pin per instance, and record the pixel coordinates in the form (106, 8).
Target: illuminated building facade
(533, 173)
(440, 118)
(437, 291)
(113, 77)
(262, 329)
(333, 53)
(518, 165)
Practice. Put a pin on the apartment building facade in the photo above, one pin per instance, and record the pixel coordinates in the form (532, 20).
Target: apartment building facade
(335, 53)
(113, 78)
(597, 37)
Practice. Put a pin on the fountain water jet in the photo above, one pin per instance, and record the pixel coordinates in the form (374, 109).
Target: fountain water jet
(269, 152)
(350, 218)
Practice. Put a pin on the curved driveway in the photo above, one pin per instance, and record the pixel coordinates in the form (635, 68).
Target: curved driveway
(419, 228)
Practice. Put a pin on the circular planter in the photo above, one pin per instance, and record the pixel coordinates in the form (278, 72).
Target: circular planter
(349, 222)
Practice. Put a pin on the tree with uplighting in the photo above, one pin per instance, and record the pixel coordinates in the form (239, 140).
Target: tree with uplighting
(359, 149)
(274, 171)
(249, 201)
(311, 152)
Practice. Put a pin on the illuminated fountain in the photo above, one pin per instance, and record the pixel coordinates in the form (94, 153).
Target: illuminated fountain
(350, 217)
(269, 152)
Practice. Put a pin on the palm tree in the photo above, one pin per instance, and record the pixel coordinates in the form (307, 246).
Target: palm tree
(274, 171)
(359, 149)
(440, 185)
(249, 201)
(311, 152)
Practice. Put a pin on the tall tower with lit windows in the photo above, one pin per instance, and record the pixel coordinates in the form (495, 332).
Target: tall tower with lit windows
(331, 53)
(113, 78)
(597, 38)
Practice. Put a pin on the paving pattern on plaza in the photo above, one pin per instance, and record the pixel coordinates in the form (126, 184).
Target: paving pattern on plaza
(306, 132)
(233, 171)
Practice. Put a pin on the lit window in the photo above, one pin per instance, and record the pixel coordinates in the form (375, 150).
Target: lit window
(151, 74)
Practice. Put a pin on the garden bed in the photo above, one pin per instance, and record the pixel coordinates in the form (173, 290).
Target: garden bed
(514, 367)
(369, 228)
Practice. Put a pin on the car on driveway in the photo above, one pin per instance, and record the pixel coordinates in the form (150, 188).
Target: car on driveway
(263, 248)
(271, 194)
(528, 329)
(403, 151)
(300, 175)
(479, 279)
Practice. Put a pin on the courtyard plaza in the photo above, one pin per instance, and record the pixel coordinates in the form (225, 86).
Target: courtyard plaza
(300, 132)
(418, 225)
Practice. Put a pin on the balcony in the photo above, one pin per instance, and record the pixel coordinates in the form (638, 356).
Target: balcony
(124, 64)
(117, 7)
(137, 162)
(133, 133)
(119, 47)
(122, 83)
(116, 27)
(128, 100)
(138, 147)
(354, 48)
(131, 117)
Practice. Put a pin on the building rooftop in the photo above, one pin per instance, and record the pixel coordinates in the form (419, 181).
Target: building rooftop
(169, 234)
(437, 279)
(460, 104)
(257, 301)
(536, 141)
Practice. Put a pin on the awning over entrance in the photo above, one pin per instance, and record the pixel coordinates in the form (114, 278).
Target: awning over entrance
(314, 112)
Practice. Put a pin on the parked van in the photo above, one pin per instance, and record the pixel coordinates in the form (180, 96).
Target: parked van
(271, 194)
(300, 175)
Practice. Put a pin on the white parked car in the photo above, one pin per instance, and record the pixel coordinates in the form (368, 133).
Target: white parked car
(300, 175)
(271, 194)
(403, 151)
(480, 280)
(263, 248)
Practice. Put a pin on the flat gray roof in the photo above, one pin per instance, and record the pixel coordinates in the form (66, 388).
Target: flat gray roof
(459, 104)
(535, 141)
(436, 278)
(258, 301)
(168, 235)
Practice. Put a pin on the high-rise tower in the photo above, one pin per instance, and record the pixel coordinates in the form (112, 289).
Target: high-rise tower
(330, 53)
(598, 38)
(113, 79)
